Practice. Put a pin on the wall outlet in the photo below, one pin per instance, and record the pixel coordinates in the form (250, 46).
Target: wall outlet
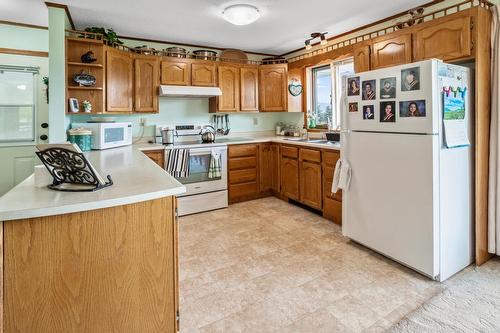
(142, 121)
(255, 121)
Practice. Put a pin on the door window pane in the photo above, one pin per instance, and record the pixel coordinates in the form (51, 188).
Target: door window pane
(322, 95)
(341, 71)
(17, 108)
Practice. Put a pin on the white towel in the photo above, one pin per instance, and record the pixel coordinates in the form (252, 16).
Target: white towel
(177, 162)
(215, 168)
(341, 176)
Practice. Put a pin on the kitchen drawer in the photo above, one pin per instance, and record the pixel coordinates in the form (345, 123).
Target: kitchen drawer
(292, 152)
(243, 163)
(332, 210)
(243, 150)
(310, 155)
(242, 176)
(330, 158)
(244, 189)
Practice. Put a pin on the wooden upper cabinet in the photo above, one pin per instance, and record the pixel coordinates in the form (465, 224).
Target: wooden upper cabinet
(146, 84)
(391, 51)
(249, 89)
(273, 87)
(447, 40)
(175, 72)
(203, 74)
(119, 81)
(361, 56)
(229, 83)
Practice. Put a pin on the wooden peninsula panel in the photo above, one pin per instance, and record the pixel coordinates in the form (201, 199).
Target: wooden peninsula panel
(105, 270)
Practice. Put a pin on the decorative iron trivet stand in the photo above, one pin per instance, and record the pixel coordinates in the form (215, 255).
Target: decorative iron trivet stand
(70, 167)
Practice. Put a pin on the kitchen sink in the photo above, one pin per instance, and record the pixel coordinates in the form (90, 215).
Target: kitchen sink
(319, 141)
(296, 139)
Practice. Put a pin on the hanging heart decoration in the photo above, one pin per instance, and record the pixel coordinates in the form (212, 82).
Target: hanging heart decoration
(295, 88)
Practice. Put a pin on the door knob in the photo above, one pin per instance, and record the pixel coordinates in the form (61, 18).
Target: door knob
(43, 137)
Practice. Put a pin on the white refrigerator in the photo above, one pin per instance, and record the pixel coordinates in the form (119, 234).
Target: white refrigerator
(410, 196)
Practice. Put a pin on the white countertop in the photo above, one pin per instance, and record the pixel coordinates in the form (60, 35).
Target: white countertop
(237, 139)
(135, 178)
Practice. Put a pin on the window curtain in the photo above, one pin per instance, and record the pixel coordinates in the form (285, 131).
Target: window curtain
(494, 163)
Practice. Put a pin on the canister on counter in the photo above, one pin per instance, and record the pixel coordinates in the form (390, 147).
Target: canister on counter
(82, 137)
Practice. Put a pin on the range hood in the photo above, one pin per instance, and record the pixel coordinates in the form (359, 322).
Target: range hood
(189, 91)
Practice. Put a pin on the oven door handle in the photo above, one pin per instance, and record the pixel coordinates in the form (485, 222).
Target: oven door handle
(204, 151)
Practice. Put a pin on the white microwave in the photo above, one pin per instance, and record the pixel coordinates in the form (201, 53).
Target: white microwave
(108, 135)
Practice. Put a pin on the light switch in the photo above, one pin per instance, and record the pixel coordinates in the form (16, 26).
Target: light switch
(255, 121)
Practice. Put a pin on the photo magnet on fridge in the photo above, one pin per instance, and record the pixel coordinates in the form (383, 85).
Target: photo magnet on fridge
(353, 107)
(412, 108)
(388, 112)
(353, 86)
(368, 112)
(410, 79)
(388, 88)
(369, 88)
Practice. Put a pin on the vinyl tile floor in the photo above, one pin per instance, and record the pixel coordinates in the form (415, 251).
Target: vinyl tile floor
(269, 266)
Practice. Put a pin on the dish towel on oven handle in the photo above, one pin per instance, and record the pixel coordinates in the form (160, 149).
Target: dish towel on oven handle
(177, 162)
(341, 176)
(215, 168)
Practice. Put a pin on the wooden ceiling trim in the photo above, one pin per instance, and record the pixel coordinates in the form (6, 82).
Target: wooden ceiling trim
(24, 52)
(66, 9)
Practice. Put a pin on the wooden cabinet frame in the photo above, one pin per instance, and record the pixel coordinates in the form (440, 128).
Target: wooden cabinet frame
(391, 51)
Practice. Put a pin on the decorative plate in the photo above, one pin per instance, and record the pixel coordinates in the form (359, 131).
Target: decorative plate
(84, 79)
(295, 88)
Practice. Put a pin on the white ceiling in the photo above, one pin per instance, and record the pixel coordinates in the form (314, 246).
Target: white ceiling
(283, 26)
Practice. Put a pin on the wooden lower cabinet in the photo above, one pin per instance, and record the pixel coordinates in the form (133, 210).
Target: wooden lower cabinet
(286, 171)
(310, 186)
(243, 172)
(332, 202)
(158, 156)
(269, 168)
(332, 210)
(289, 172)
(104, 270)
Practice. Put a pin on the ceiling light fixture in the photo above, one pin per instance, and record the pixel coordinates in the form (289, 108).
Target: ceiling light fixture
(314, 35)
(241, 14)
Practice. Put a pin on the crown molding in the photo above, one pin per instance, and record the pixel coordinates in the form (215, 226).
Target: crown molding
(366, 26)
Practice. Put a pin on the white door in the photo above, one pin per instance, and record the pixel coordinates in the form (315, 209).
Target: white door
(391, 204)
(17, 148)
